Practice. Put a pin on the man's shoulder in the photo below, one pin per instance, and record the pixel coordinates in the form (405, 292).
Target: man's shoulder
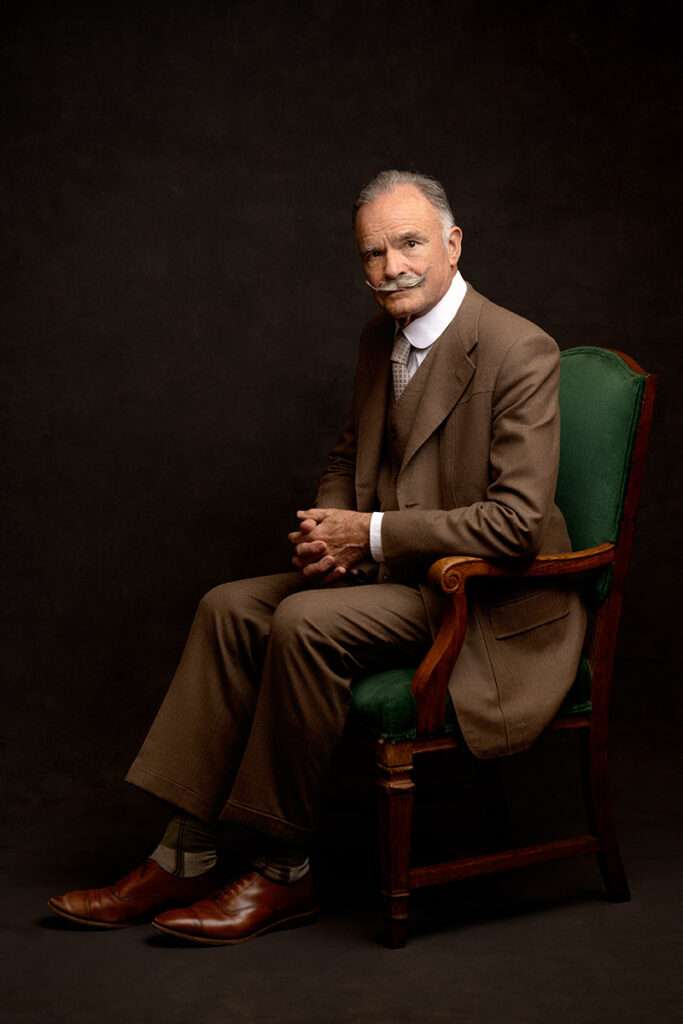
(502, 345)
(498, 324)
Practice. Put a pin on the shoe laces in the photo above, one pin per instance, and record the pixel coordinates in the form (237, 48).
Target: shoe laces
(234, 887)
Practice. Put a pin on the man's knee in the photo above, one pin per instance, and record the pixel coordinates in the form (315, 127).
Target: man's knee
(225, 599)
(252, 599)
(302, 616)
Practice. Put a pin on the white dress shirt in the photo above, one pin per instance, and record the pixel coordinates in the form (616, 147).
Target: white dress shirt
(422, 334)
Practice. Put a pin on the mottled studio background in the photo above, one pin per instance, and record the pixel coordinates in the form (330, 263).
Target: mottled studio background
(183, 303)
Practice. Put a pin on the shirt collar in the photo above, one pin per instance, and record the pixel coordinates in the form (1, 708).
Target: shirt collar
(423, 332)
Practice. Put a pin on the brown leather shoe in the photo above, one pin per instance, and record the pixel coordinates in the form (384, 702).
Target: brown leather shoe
(136, 898)
(250, 906)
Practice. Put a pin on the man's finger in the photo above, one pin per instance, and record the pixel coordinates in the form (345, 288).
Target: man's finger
(308, 548)
(336, 574)
(319, 568)
(316, 514)
(307, 526)
(302, 563)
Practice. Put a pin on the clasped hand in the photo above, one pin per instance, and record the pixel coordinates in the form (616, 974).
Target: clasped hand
(329, 542)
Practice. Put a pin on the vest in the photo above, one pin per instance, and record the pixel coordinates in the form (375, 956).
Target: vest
(397, 427)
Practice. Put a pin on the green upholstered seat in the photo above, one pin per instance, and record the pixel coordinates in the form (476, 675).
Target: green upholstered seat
(383, 706)
(600, 398)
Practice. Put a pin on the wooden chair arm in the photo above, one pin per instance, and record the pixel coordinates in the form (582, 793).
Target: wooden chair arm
(451, 575)
(452, 572)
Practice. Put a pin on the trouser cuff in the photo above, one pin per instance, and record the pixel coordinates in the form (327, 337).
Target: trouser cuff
(172, 792)
(262, 821)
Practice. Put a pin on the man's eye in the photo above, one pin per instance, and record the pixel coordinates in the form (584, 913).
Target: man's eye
(412, 242)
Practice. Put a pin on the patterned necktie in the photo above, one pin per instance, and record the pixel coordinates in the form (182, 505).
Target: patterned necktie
(399, 364)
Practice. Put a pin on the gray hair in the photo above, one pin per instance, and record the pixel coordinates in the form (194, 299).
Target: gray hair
(431, 189)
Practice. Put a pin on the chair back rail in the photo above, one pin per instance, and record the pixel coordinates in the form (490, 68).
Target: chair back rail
(601, 643)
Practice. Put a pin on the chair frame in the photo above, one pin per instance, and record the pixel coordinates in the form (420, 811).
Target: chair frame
(395, 760)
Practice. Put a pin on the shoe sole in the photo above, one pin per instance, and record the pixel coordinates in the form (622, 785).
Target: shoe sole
(288, 922)
(105, 925)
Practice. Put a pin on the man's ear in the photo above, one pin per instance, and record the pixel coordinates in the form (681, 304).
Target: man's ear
(454, 245)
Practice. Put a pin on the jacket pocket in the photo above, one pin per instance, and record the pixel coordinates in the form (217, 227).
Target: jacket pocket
(528, 612)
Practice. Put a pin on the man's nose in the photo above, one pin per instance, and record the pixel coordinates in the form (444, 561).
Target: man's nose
(393, 263)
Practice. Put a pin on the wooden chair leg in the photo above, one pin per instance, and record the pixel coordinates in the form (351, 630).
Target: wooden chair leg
(598, 804)
(396, 798)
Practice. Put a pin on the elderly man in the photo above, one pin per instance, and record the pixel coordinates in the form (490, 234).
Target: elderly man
(452, 448)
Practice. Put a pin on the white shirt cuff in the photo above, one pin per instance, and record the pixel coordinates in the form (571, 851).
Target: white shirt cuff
(376, 536)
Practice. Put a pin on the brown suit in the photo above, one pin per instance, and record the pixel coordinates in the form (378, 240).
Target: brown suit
(477, 477)
(261, 694)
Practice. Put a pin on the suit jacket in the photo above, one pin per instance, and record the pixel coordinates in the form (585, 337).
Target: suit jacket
(478, 477)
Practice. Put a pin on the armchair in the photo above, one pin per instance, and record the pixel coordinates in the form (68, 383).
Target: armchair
(606, 403)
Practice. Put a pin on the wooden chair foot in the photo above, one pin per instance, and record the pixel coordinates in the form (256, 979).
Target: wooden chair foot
(599, 807)
(395, 930)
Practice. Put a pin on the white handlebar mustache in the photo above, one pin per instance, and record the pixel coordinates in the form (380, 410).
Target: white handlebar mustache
(401, 281)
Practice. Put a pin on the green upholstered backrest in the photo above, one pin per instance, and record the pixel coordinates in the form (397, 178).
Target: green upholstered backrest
(600, 400)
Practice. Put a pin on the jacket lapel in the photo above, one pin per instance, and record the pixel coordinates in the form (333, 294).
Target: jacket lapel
(449, 374)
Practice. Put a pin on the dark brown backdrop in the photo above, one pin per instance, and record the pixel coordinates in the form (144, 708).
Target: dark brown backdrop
(184, 303)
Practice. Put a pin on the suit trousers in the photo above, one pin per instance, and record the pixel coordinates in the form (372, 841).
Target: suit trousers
(260, 697)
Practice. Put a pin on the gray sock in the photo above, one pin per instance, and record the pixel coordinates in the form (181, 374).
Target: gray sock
(187, 847)
(285, 864)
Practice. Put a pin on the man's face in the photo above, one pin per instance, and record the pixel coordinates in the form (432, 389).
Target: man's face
(400, 232)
